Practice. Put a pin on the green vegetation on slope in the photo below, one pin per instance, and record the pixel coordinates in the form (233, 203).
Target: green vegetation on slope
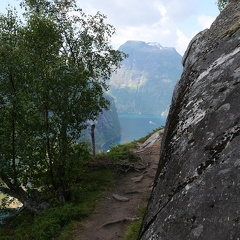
(58, 221)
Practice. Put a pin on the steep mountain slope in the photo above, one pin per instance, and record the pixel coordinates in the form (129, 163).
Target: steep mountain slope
(197, 187)
(145, 82)
(107, 128)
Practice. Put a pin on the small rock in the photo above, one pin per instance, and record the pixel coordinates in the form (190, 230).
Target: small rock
(120, 198)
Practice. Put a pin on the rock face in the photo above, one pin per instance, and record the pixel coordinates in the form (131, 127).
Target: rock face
(108, 129)
(196, 193)
(146, 80)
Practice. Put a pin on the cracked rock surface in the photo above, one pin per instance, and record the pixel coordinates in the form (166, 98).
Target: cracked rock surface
(196, 194)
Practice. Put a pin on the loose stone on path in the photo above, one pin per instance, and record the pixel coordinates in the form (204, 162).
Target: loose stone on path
(120, 198)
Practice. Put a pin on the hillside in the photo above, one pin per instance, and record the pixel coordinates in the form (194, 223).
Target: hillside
(145, 82)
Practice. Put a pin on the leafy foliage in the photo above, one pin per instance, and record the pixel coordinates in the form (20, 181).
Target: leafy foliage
(222, 4)
(122, 153)
(118, 154)
(54, 69)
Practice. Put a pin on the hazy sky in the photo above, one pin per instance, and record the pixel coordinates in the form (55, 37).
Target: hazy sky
(172, 23)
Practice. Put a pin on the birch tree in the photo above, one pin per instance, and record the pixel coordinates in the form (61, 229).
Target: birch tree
(54, 69)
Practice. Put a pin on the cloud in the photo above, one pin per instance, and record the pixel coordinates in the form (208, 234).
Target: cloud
(172, 23)
(179, 10)
(135, 12)
(205, 21)
(182, 41)
(162, 10)
(125, 12)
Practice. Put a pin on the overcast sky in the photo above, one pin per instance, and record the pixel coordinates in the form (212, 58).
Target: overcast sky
(172, 23)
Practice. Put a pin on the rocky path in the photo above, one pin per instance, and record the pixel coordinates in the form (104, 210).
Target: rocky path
(120, 207)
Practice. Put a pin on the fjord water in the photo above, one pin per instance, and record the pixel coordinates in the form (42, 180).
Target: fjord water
(135, 126)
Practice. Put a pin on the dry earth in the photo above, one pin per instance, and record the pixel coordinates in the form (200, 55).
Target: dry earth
(120, 206)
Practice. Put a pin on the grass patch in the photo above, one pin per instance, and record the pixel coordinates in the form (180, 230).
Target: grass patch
(123, 152)
(134, 229)
(119, 153)
(143, 139)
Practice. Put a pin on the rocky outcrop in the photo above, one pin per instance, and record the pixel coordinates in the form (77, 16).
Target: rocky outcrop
(197, 187)
(108, 129)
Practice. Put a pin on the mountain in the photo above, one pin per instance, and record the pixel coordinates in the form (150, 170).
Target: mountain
(145, 82)
(197, 186)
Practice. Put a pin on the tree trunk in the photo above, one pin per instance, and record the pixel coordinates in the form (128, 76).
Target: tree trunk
(32, 203)
(93, 140)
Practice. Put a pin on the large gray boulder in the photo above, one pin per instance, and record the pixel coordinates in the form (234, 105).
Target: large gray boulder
(197, 188)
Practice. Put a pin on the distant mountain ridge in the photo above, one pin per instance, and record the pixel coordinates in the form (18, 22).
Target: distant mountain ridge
(145, 82)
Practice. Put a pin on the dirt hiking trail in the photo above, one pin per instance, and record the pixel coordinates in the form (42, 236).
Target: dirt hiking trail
(116, 211)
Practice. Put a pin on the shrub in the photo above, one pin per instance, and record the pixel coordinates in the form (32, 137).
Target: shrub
(222, 4)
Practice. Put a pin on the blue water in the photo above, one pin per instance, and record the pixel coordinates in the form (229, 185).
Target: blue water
(135, 126)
